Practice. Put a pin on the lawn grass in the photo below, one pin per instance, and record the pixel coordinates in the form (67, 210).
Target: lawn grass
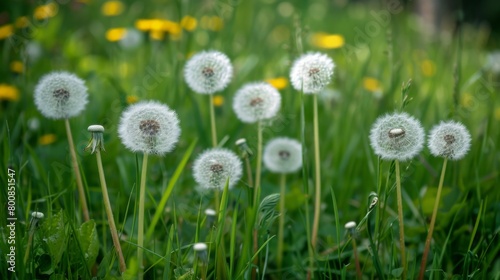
(449, 80)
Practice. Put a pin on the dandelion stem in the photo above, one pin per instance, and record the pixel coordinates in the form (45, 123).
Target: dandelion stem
(212, 121)
(109, 212)
(76, 169)
(257, 195)
(140, 231)
(400, 220)
(433, 221)
(279, 259)
(249, 171)
(356, 259)
(317, 199)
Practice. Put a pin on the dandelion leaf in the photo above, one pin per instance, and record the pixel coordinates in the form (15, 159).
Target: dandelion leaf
(55, 236)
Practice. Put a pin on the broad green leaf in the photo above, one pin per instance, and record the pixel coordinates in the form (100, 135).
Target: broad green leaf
(55, 236)
(89, 241)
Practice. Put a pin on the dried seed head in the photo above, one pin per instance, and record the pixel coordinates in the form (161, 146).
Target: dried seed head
(213, 167)
(60, 95)
(312, 72)
(149, 127)
(450, 140)
(397, 136)
(256, 101)
(283, 155)
(208, 72)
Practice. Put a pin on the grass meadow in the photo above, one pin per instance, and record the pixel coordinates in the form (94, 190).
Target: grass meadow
(131, 51)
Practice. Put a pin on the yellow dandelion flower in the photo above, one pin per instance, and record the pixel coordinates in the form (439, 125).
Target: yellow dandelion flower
(16, 66)
(497, 114)
(115, 34)
(131, 99)
(8, 92)
(22, 22)
(45, 11)
(6, 31)
(143, 24)
(327, 41)
(428, 68)
(218, 100)
(189, 23)
(278, 83)
(157, 34)
(47, 139)
(112, 8)
(174, 28)
(371, 84)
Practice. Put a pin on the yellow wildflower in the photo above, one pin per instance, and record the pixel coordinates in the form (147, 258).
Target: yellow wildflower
(45, 11)
(428, 67)
(16, 66)
(327, 41)
(22, 22)
(112, 8)
(371, 84)
(6, 31)
(131, 99)
(47, 139)
(278, 83)
(156, 34)
(8, 92)
(218, 100)
(189, 23)
(115, 34)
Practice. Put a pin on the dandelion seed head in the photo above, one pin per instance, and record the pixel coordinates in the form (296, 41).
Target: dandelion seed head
(60, 95)
(37, 215)
(397, 136)
(256, 101)
(312, 72)
(200, 247)
(208, 72)
(283, 155)
(350, 225)
(213, 167)
(450, 140)
(149, 127)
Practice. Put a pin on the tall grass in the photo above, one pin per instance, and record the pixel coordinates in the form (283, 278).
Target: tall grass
(258, 36)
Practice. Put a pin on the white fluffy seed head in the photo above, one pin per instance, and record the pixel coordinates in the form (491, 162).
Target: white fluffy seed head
(350, 225)
(256, 101)
(213, 167)
(450, 140)
(60, 95)
(198, 247)
(397, 136)
(283, 155)
(210, 212)
(312, 72)
(149, 127)
(37, 215)
(208, 72)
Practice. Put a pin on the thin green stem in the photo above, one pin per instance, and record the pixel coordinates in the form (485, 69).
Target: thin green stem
(258, 163)
(279, 258)
(212, 121)
(256, 196)
(109, 212)
(140, 230)
(400, 220)
(433, 221)
(76, 169)
(317, 167)
(249, 171)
